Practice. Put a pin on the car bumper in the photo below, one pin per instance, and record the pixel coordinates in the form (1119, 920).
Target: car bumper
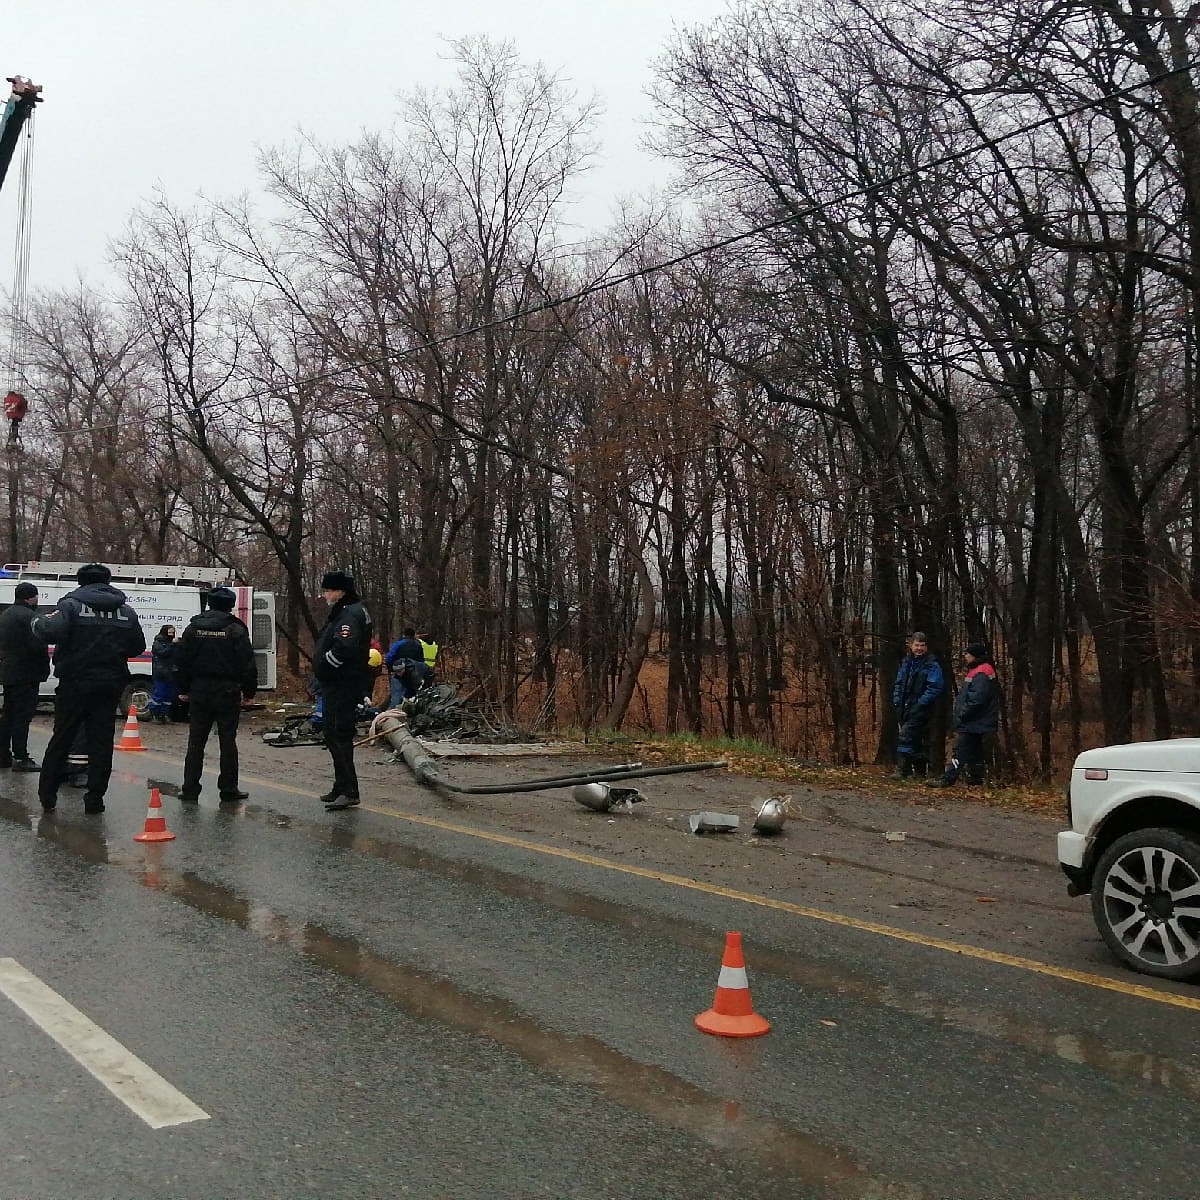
(1072, 848)
(1072, 853)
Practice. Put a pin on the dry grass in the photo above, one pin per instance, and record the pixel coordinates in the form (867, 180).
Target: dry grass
(762, 762)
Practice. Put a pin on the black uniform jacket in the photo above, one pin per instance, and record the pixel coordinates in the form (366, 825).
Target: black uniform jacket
(215, 648)
(94, 634)
(23, 659)
(344, 645)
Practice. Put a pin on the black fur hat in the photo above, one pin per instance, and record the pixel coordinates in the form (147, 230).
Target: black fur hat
(337, 581)
(93, 573)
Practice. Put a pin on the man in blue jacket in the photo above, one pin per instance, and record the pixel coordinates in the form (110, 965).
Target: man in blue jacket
(405, 661)
(919, 683)
(976, 715)
(94, 634)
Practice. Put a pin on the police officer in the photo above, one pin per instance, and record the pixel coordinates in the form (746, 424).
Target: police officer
(24, 664)
(94, 634)
(340, 663)
(215, 671)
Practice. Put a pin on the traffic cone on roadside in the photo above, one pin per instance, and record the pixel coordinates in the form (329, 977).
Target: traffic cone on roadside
(130, 738)
(732, 1014)
(156, 824)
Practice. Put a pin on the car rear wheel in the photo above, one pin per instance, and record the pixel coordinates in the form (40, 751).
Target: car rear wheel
(1146, 902)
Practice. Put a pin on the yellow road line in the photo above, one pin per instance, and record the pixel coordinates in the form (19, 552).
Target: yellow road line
(1087, 978)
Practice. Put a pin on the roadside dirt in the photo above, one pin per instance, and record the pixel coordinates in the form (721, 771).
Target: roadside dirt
(943, 864)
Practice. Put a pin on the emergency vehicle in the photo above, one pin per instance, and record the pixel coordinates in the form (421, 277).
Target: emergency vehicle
(160, 595)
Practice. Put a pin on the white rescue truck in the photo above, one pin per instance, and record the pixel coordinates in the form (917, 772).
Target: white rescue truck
(160, 595)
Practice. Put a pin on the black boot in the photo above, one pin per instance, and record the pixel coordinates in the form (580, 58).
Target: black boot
(903, 767)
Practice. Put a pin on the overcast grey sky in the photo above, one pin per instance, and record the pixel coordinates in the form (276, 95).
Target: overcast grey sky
(140, 94)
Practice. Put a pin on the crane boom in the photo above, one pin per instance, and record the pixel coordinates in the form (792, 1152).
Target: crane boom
(18, 110)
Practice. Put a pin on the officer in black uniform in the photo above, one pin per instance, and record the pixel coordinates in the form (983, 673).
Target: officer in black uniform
(340, 663)
(24, 664)
(215, 672)
(94, 634)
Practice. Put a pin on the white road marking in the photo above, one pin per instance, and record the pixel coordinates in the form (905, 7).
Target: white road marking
(136, 1085)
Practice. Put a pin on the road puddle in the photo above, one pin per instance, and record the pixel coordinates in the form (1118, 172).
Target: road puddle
(788, 1156)
(647, 1089)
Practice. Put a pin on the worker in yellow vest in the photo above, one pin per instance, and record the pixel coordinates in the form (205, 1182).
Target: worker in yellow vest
(429, 649)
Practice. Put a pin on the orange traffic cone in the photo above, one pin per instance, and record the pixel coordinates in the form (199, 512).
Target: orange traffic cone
(732, 1014)
(130, 738)
(156, 824)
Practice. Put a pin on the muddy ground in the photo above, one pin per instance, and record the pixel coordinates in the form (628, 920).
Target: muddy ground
(942, 864)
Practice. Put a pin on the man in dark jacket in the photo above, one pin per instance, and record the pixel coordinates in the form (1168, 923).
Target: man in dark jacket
(340, 663)
(918, 684)
(976, 715)
(24, 664)
(94, 634)
(164, 662)
(215, 671)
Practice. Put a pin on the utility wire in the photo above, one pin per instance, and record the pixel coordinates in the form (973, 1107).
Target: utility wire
(608, 282)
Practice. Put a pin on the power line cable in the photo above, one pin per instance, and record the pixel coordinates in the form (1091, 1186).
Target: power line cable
(608, 282)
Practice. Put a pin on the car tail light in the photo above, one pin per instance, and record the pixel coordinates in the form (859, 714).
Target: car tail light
(1095, 773)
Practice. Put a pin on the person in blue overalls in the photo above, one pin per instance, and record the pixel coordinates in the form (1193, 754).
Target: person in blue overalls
(919, 683)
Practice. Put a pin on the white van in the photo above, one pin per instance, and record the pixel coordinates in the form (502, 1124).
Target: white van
(160, 595)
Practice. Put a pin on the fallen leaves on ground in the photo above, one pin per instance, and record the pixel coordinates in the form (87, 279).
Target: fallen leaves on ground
(764, 763)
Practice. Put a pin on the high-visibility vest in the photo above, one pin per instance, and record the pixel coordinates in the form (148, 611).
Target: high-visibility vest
(429, 650)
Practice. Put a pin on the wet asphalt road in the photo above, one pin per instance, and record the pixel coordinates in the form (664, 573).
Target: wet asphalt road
(369, 1007)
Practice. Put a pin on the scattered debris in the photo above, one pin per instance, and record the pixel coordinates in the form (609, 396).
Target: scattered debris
(772, 813)
(713, 822)
(307, 728)
(625, 798)
(603, 797)
(434, 713)
(439, 712)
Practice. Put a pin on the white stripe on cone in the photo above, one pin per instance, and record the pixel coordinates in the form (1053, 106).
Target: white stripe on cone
(732, 977)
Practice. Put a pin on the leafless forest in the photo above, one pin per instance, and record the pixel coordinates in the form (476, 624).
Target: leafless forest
(913, 345)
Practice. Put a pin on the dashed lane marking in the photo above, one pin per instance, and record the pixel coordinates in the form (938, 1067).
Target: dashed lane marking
(137, 1086)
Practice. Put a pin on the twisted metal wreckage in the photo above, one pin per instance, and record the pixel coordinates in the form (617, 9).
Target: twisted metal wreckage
(439, 713)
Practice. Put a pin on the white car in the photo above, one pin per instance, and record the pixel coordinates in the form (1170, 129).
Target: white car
(1134, 844)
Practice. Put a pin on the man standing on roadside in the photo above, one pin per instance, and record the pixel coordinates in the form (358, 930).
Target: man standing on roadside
(215, 671)
(919, 683)
(976, 717)
(24, 664)
(340, 663)
(94, 634)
